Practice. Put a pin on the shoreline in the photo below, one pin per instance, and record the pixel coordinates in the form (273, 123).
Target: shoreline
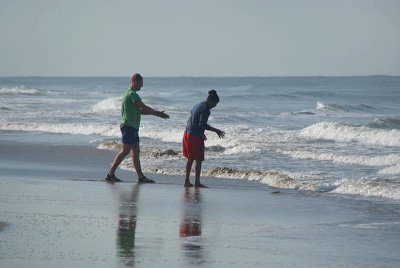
(73, 161)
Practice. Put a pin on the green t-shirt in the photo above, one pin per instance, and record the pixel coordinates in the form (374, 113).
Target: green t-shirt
(130, 112)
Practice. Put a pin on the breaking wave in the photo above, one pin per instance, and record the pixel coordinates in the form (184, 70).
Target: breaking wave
(327, 106)
(387, 123)
(370, 188)
(389, 162)
(343, 108)
(68, 128)
(385, 160)
(271, 178)
(20, 90)
(351, 133)
(392, 170)
(109, 104)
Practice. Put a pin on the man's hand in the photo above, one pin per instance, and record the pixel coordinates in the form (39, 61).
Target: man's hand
(161, 114)
(220, 133)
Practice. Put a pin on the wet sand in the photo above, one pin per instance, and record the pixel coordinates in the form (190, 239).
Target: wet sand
(60, 219)
(95, 224)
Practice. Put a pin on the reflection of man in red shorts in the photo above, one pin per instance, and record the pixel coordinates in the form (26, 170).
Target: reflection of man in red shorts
(193, 139)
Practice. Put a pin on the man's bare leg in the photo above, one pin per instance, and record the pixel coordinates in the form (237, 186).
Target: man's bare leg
(198, 171)
(137, 165)
(126, 148)
(189, 163)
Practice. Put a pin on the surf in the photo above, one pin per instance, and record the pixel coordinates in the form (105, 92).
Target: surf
(350, 133)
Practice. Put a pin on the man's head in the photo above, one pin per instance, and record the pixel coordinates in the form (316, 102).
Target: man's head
(136, 82)
(212, 99)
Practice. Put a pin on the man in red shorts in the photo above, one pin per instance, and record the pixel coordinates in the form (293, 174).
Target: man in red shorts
(193, 138)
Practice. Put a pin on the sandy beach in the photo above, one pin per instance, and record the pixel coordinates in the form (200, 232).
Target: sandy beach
(55, 210)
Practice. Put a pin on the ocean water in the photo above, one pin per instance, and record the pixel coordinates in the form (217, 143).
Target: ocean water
(339, 135)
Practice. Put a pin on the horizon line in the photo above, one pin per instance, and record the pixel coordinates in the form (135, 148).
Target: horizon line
(192, 76)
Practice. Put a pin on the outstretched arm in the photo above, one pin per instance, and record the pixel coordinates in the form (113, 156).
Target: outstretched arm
(220, 133)
(147, 110)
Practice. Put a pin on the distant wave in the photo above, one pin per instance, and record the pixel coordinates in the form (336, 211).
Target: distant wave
(109, 104)
(363, 187)
(392, 170)
(388, 123)
(351, 133)
(20, 90)
(389, 162)
(385, 160)
(283, 96)
(68, 128)
(331, 107)
(306, 112)
(343, 108)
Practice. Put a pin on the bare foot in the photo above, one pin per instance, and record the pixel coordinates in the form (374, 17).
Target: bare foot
(199, 185)
(187, 184)
(145, 180)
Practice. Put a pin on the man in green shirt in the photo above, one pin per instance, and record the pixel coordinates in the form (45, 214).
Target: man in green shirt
(132, 109)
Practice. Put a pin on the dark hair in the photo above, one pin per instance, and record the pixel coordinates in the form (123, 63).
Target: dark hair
(136, 77)
(213, 96)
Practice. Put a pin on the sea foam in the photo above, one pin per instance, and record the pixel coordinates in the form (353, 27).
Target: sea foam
(351, 133)
(20, 90)
(67, 128)
(388, 123)
(384, 160)
(109, 104)
(365, 187)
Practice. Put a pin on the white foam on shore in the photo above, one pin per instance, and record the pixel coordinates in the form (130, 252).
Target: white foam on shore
(350, 133)
(280, 179)
(271, 178)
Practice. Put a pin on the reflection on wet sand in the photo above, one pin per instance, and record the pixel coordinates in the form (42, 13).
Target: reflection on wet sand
(127, 226)
(2, 225)
(190, 226)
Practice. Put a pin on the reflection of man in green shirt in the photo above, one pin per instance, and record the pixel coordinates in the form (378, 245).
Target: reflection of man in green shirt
(127, 219)
(132, 109)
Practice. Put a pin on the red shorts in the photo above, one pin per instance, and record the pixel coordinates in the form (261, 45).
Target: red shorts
(193, 147)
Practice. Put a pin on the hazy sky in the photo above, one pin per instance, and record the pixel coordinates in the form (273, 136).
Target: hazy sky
(199, 38)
